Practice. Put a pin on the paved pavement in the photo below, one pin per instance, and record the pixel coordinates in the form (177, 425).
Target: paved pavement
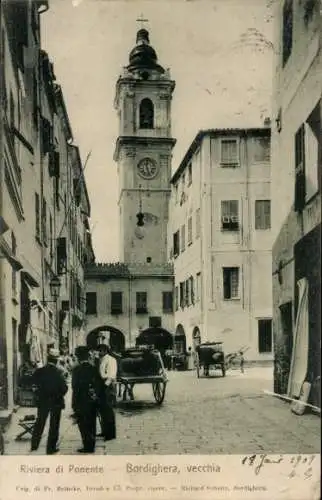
(214, 415)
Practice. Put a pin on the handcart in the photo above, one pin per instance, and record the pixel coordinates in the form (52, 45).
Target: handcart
(142, 365)
(210, 355)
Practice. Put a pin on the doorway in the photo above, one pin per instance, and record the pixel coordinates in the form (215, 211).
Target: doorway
(196, 337)
(287, 341)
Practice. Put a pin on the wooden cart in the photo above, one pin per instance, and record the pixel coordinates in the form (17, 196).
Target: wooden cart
(142, 365)
(210, 355)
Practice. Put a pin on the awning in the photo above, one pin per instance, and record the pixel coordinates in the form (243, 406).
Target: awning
(30, 280)
(39, 304)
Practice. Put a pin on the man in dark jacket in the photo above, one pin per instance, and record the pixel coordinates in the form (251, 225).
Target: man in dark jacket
(87, 386)
(51, 389)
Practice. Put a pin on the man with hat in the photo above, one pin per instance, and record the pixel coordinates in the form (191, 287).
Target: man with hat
(51, 389)
(87, 387)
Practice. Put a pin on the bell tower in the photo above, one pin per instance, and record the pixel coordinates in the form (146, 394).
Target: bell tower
(143, 154)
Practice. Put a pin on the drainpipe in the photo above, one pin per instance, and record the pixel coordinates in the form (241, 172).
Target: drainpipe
(248, 250)
(201, 246)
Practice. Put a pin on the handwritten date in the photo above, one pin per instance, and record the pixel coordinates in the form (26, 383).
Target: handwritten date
(299, 464)
(258, 461)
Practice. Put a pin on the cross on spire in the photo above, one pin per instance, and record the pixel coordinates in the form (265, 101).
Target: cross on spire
(142, 20)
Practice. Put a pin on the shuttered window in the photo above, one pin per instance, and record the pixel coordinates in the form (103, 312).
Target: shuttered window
(91, 303)
(192, 290)
(231, 282)
(182, 295)
(262, 214)
(229, 153)
(198, 287)
(187, 292)
(287, 30)
(189, 230)
(176, 244)
(229, 215)
(116, 302)
(141, 303)
(176, 297)
(183, 238)
(300, 185)
(198, 222)
(167, 302)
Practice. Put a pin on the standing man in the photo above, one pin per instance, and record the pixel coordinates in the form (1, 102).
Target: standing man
(108, 373)
(242, 361)
(87, 386)
(51, 389)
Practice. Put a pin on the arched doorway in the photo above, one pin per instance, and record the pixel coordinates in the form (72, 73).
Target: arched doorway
(179, 360)
(106, 335)
(160, 338)
(196, 337)
(180, 341)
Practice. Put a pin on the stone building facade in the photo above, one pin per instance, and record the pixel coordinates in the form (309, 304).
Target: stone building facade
(296, 188)
(220, 228)
(37, 196)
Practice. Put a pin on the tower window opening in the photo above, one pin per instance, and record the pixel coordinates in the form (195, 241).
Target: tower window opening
(146, 114)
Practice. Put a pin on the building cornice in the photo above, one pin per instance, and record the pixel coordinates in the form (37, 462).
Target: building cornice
(137, 83)
(141, 141)
(142, 190)
(119, 271)
(213, 133)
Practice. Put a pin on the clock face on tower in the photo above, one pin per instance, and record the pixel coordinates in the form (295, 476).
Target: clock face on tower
(147, 168)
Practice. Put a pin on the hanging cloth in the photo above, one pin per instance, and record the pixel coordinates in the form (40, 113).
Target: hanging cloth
(299, 361)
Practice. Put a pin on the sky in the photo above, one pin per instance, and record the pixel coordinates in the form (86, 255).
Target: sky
(219, 53)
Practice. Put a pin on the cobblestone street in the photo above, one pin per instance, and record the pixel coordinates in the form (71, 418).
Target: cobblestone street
(213, 415)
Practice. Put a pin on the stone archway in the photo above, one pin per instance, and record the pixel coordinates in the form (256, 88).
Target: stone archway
(159, 337)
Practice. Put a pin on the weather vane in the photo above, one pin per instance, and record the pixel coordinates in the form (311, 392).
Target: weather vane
(142, 20)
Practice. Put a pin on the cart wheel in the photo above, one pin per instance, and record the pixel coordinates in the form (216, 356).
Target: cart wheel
(223, 369)
(159, 391)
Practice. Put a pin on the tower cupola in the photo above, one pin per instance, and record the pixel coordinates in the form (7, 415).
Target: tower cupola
(143, 55)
